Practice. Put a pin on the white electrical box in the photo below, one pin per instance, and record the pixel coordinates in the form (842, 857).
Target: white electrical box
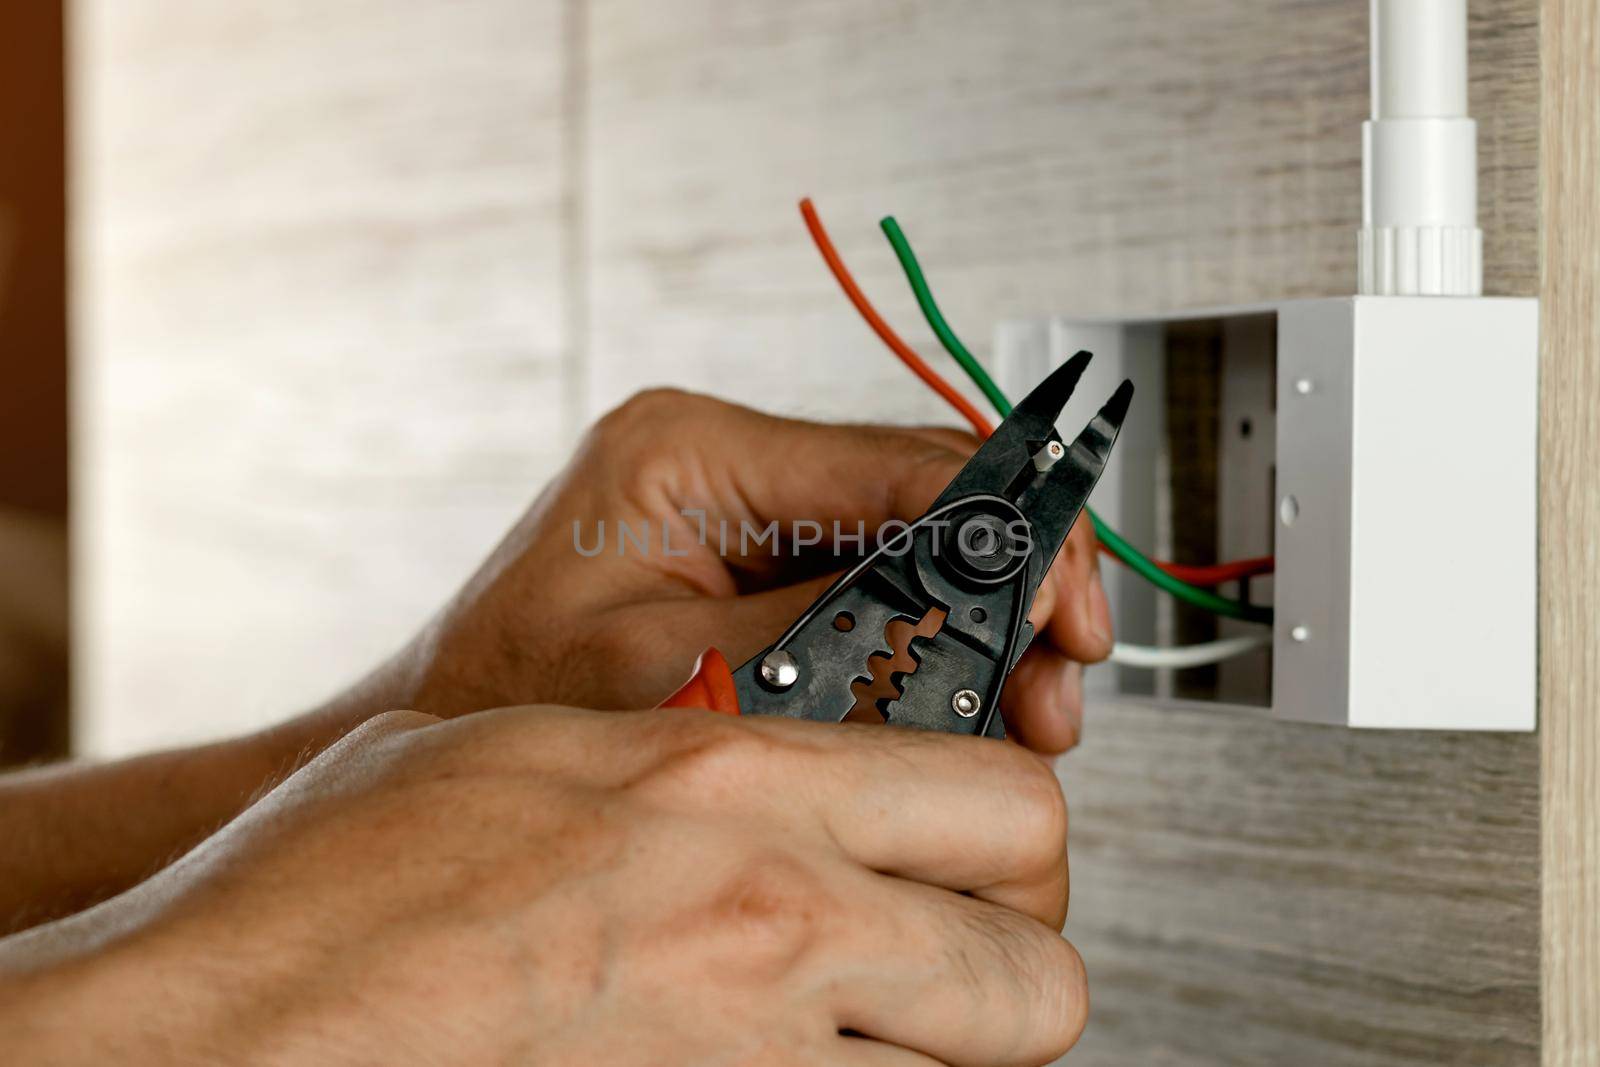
(1383, 449)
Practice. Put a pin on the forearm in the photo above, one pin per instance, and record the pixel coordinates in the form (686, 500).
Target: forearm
(59, 1004)
(77, 834)
(128, 980)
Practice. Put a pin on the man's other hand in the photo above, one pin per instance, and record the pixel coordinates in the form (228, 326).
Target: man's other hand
(571, 609)
(557, 886)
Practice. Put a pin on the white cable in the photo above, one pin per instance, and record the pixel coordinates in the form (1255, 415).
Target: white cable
(1188, 655)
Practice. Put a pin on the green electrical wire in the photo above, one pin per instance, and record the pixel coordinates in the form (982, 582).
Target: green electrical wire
(1136, 560)
(930, 311)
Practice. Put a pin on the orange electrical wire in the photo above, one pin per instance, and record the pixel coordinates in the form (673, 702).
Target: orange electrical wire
(907, 354)
(1194, 575)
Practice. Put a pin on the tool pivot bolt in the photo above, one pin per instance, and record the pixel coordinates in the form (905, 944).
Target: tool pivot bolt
(965, 703)
(779, 670)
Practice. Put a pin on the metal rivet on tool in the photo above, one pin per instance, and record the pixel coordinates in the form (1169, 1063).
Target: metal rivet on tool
(1300, 633)
(779, 670)
(1289, 509)
(1049, 455)
(1304, 386)
(965, 703)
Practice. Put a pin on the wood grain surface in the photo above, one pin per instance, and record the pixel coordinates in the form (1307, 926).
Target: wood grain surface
(1244, 892)
(352, 271)
(1569, 449)
(320, 337)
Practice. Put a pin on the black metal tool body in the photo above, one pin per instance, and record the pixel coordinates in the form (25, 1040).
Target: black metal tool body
(978, 555)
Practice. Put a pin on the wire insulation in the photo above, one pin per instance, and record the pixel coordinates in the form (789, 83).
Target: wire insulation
(1189, 594)
(1199, 655)
(1219, 573)
(907, 354)
(941, 329)
(1196, 575)
(1125, 654)
(1114, 542)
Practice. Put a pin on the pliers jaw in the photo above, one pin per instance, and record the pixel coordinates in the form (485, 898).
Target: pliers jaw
(976, 558)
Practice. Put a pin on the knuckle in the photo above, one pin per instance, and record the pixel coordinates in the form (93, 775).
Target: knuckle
(1046, 985)
(643, 414)
(707, 759)
(1039, 808)
(1065, 1011)
(643, 442)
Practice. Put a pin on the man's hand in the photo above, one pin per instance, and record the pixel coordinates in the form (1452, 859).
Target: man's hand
(541, 622)
(544, 622)
(557, 886)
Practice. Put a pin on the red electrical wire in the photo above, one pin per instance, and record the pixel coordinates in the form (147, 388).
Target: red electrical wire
(1218, 573)
(1215, 574)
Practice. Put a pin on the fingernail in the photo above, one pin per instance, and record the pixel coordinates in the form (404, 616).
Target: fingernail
(1099, 609)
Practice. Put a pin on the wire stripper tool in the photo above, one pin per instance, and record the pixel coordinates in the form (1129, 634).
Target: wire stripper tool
(976, 558)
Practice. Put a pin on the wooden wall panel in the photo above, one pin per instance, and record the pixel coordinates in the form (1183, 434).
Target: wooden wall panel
(1569, 645)
(320, 338)
(1244, 892)
(349, 274)
(1096, 156)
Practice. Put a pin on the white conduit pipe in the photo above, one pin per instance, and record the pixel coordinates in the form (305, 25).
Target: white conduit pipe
(1419, 233)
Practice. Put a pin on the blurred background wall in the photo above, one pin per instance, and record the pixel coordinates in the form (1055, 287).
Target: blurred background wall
(323, 356)
(349, 276)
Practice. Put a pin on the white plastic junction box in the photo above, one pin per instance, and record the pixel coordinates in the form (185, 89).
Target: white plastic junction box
(1384, 449)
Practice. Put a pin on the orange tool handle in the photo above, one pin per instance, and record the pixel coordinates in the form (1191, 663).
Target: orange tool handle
(710, 687)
